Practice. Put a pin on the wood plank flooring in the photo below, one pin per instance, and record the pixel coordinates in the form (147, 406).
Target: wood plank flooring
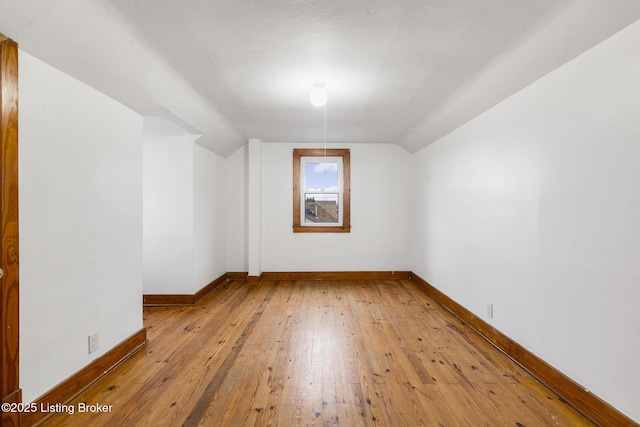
(317, 353)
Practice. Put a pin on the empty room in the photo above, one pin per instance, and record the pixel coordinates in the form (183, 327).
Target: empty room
(312, 212)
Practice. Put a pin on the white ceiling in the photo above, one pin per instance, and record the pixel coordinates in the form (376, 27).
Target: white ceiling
(397, 71)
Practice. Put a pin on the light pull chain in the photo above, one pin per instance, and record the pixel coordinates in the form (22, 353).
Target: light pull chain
(325, 134)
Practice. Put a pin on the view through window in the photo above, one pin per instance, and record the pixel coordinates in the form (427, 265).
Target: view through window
(321, 190)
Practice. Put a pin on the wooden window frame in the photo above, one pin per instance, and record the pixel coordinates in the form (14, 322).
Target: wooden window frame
(9, 232)
(346, 190)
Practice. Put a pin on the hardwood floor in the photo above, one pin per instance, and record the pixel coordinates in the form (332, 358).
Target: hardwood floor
(296, 353)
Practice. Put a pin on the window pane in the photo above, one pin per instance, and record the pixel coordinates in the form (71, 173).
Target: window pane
(321, 176)
(321, 208)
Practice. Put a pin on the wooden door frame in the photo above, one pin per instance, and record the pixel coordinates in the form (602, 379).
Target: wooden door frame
(9, 255)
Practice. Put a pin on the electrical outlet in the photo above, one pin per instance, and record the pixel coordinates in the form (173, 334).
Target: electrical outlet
(489, 309)
(93, 342)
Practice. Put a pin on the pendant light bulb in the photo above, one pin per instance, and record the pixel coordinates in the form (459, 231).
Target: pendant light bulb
(318, 96)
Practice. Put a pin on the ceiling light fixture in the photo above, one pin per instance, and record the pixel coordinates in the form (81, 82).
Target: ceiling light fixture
(318, 96)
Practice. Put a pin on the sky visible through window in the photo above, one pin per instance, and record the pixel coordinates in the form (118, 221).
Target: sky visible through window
(321, 176)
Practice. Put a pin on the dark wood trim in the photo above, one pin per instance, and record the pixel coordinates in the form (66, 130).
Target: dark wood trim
(590, 405)
(237, 275)
(9, 253)
(296, 190)
(81, 380)
(171, 300)
(336, 275)
(11, 418)
(328, 229)
(207, 290)
(252, 280)
(346, 189)
(168, 300)
(320, 275)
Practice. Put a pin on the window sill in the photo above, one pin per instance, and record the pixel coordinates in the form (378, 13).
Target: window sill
(312, 229)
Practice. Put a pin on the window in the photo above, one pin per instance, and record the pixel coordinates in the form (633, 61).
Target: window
(321, 191)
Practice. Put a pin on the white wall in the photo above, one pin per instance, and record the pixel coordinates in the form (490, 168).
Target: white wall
(236, 220)
(534, 207)
(168, 207)
(80, 163)
(253, 206)
(184, 210)
(184, 219)
(209, 217)
(380, 200)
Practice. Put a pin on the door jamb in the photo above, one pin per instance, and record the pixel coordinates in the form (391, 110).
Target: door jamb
(9, 254)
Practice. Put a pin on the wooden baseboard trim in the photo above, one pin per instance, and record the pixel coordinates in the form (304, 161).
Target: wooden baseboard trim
(183, 300)
(9, 418)
(590, 405)
(321, 275)
(81, 380)
(237, 275)
(336, 275)
(207, 290)
(253, 280)
(168, 300)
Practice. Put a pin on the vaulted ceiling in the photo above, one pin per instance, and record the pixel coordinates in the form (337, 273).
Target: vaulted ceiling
(397, 71)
